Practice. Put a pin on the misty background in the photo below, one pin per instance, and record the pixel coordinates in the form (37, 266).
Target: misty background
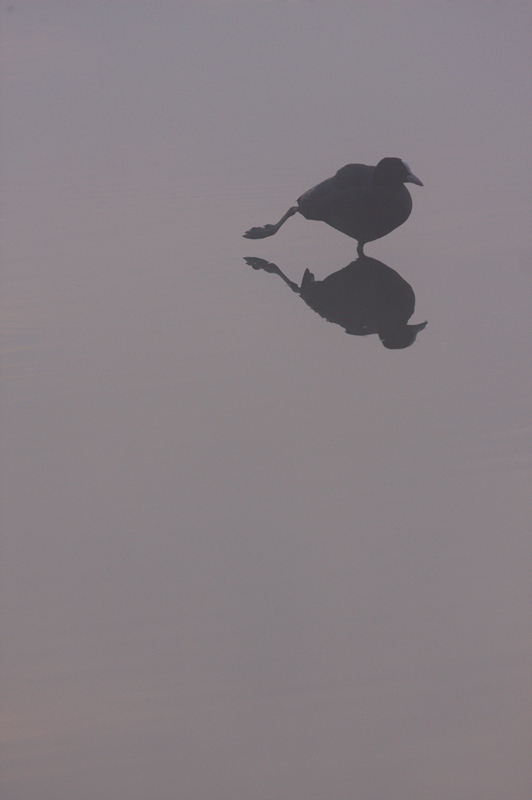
(246, 555)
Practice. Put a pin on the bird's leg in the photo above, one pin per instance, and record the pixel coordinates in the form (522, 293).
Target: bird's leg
(267, 266)
(360, 248)
(269, 230)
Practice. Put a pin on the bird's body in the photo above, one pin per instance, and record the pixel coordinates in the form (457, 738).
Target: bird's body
(363, 202)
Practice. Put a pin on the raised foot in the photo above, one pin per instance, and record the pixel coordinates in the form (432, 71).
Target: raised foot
(261, 233)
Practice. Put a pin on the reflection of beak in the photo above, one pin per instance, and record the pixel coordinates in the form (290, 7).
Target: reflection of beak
(420, 326)
(410, 178)
(400, 336)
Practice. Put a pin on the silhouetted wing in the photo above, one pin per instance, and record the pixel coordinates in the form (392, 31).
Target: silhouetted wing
(350, 176)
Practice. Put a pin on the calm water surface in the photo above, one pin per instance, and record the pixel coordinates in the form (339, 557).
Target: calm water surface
(246, 555)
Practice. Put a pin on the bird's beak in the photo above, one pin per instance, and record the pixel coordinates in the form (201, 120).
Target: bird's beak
(410, 178)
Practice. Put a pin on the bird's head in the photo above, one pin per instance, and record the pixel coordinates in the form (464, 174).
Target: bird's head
(394, 170)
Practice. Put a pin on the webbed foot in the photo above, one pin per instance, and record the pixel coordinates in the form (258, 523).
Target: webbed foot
(261, 233)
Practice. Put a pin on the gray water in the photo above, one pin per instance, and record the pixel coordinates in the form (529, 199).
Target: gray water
(245, 554)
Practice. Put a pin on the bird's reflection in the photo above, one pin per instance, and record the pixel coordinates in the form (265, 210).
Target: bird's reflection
(363, 298)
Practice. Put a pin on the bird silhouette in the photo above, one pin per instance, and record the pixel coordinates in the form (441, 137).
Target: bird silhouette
(363, 202)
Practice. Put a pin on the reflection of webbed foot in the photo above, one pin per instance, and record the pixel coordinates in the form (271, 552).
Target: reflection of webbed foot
(260, 263)
(261, 233)
(273, 269)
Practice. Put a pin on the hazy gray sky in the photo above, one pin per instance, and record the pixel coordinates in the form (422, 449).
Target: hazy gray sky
(246, 555)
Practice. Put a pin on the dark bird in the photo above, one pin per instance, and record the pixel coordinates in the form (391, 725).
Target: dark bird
(363, 202)
(363, 298)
